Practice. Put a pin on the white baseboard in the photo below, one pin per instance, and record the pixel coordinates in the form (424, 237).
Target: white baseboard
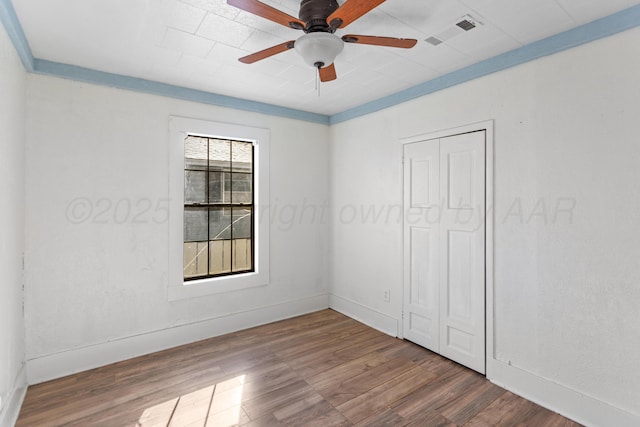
(570, 403)
(57, 365)
(364, 314)
(11, 408)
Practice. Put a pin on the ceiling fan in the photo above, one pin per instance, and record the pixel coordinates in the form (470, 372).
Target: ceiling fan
(319, 19)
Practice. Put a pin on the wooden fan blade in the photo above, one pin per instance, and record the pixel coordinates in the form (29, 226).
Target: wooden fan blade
(274, 50)
(268, 12)
(350, 11)
(380, 41)
(328, 73)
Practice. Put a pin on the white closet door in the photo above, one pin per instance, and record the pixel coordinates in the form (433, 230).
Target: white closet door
(444, 230)
(421, 237)
(462, 249)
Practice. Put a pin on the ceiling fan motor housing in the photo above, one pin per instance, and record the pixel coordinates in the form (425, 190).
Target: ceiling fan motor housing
(315, 13)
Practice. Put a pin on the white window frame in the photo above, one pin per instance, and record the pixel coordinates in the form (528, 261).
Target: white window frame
(179, 129)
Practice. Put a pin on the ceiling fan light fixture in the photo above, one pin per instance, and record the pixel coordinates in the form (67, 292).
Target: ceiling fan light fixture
(319, 49)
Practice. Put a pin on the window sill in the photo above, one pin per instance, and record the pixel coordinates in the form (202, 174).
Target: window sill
(216, 285)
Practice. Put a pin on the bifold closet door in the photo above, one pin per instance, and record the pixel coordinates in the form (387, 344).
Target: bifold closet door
(444, 247)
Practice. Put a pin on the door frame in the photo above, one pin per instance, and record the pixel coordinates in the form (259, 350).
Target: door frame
(488, 127)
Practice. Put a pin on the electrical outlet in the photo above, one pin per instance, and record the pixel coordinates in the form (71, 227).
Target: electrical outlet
(387, 295)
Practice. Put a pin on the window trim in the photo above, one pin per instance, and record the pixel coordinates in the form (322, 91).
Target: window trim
(179, 128)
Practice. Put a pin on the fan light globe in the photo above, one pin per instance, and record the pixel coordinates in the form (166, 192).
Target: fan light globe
(319, 48)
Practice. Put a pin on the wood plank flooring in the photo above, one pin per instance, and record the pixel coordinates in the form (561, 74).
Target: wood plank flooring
(322, 369)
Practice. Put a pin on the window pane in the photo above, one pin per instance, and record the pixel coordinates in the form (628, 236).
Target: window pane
(220, 224)
(241, 254)
(195, 259)
(217, 182)
(219, 154)
(218, 171)
(195, 224)
(242, 156)
(220, 256)
(195, 187)
(242, 223)
(241, 184)
(195, 153)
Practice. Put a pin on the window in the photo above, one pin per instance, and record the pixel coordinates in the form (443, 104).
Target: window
(218, 207)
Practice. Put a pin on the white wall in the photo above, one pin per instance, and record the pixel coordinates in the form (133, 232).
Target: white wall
(566, 295)
(12, 162)
(97, 285)
(567, 330)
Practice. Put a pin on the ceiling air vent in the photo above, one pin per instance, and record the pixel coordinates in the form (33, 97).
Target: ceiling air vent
(434, 41)
(462, 25)
(466, 25)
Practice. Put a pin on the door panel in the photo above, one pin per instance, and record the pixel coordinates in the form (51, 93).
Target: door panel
(460, 180)
(460, 256)
(460, 341)
(421, 296)
(462, 287)
(444, 198)
(421, 246)
(424, 186)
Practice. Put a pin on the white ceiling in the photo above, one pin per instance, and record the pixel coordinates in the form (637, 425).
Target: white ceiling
(196, 43)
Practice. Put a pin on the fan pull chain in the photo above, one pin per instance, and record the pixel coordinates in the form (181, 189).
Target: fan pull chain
(317, 72)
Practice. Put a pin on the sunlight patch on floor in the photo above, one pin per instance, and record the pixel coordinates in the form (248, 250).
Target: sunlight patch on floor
(217, 405)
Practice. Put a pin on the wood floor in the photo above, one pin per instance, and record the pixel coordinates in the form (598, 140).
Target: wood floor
(322, 369)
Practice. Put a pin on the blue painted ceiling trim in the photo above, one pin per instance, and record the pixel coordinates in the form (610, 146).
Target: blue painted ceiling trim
(74, 72)
(604, 27)
(10, 22)
(595, 30)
